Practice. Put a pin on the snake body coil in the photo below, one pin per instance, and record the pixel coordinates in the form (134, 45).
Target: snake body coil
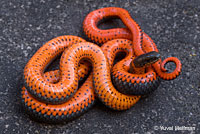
(142, 42)
(84, 97)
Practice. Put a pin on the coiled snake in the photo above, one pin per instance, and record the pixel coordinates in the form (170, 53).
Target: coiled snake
(54, 96)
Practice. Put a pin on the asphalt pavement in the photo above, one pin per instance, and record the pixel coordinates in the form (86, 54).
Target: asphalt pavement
(174, 25)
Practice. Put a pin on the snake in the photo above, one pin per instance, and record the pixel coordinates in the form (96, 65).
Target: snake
(54, 96)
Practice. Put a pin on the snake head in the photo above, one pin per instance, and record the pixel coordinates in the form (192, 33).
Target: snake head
(146, 59)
